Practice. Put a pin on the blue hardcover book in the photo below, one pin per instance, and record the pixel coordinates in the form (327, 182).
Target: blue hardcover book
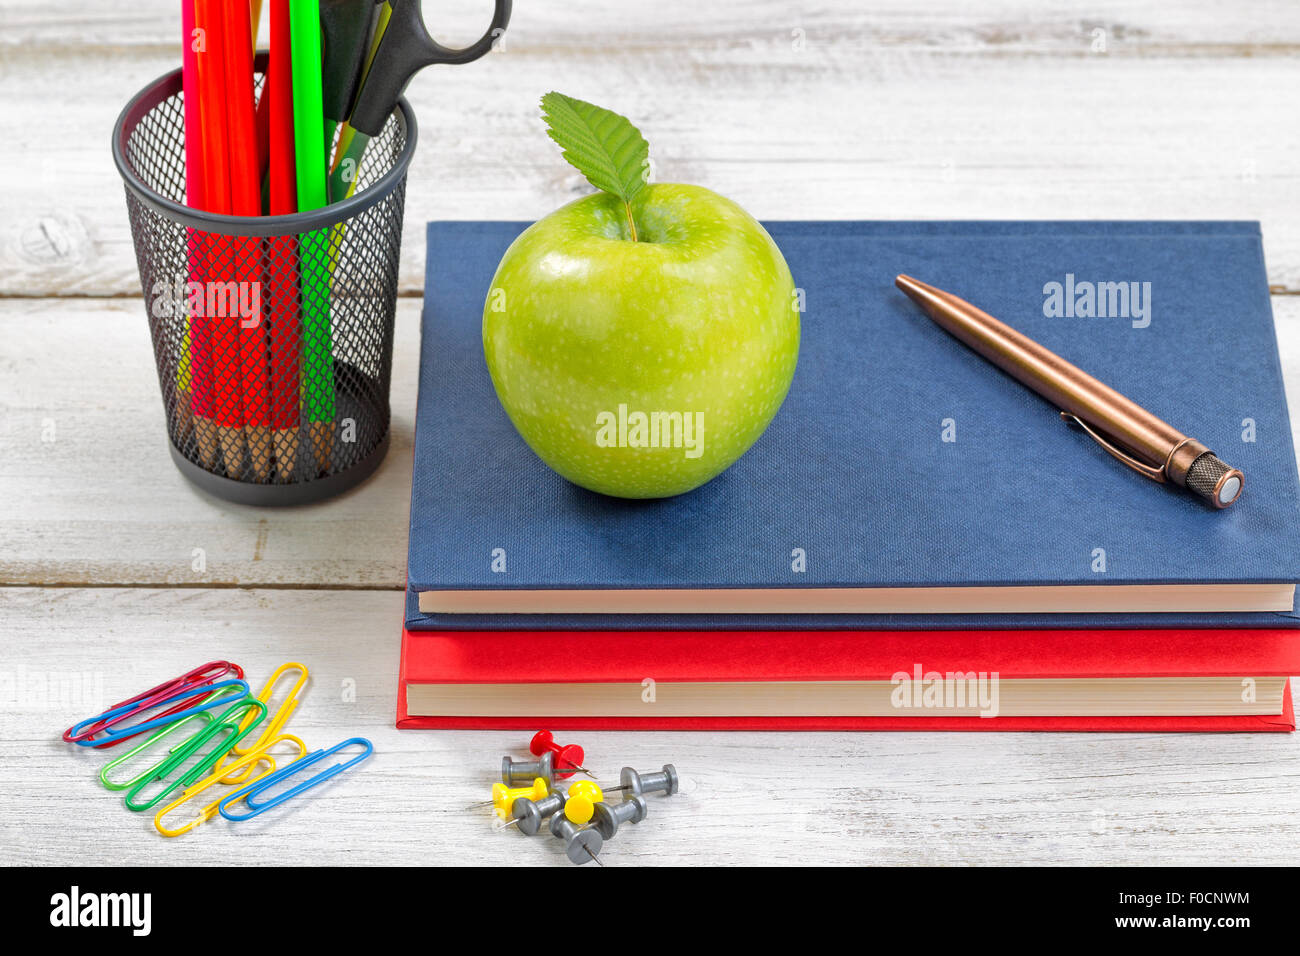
(905, 482)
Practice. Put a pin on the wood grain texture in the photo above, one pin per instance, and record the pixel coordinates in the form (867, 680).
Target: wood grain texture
(880, 109)
(89, 495)
(885, 110)
(785, 799)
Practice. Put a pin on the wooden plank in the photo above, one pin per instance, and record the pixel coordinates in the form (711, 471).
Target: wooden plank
(747, 798)
(883, 110)
(1169, 28)
(89, 495)
(872, 111)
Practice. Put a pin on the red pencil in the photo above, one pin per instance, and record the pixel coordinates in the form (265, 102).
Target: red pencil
(198, 397)
(223, 328)
(263, 130)
(282, 250)
(263, 114)
(246, 200)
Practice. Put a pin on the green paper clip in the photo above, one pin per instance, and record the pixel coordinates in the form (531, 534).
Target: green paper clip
(227, 723)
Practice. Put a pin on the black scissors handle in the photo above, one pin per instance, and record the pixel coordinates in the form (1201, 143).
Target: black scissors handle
(406, 49)
(346, 28)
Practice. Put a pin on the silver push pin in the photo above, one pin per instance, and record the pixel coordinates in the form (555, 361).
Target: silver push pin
(529, 814)
(581, 843)
(516, 773)
(664, 781)
(607, 817)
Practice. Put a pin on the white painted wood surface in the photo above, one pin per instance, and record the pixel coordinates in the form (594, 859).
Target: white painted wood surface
(888, 110)
(749, 798)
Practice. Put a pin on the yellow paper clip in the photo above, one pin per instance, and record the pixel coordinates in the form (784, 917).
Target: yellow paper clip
(256, 755)
(273, 726)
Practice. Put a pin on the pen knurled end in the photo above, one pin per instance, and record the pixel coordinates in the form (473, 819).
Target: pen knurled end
(1204, 475)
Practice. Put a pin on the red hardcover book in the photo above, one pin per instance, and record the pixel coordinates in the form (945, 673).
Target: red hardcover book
(434, 663)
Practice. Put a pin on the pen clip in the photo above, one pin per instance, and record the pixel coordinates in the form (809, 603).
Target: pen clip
(1141, 467)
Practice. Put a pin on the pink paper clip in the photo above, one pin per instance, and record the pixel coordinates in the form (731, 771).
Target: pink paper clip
(201, 675)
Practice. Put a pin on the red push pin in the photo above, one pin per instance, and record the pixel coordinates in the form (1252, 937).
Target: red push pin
(568, 759)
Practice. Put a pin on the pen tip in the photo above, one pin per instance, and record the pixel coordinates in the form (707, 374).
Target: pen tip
(914, 289)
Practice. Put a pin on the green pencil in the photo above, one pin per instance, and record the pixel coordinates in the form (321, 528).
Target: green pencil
(311, 164)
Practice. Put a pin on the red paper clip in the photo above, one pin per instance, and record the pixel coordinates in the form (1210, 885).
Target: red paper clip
(201, 675)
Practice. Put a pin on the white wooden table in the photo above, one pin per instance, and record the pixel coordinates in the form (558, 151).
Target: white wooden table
(884, 109)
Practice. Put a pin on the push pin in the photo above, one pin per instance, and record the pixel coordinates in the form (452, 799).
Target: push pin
(583, 797)
(503, 797)
(568, 759)
(608, 816)
(642, 783)
(580, 843)
(588, 789)
(528, 813)
(517, 772)
(498, 790)
(579, 810)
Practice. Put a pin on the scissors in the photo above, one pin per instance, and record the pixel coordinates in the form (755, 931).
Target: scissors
(404, 49)
(346, 30)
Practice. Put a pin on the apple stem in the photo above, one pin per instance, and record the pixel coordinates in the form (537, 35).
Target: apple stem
(630, 221)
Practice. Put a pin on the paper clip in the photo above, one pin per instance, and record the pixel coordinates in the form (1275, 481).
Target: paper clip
(277, 721)
(204, 674)
(227, 722)
(256, 755)
(211, 701)
(198, 720)
(250, 793)
(145, 700)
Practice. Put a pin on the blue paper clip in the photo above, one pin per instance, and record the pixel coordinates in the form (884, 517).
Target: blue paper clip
(148, 700)
(109, 716)
(249, 794)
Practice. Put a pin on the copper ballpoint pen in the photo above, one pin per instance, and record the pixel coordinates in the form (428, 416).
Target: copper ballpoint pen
(1125, 429)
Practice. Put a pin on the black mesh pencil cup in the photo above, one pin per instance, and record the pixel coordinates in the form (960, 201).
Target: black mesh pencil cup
(273, 335)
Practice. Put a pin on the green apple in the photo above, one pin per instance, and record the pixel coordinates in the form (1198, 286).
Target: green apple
(642, 368)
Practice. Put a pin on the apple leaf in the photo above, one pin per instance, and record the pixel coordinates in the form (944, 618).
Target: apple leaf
(602, 145)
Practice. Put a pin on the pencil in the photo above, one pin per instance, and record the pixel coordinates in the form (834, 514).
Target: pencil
(264, 144)
(185, 372)
(255, 7)
(246, 200)
(310, 165)
(195, 387)
(263, 112)
(286, 366)
(223, 329)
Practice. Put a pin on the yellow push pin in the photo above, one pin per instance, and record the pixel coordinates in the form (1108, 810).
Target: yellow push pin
(587, 788)
(581, 805)
(503, 797)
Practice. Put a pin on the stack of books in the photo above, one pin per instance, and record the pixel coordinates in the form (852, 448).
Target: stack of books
(917, 541)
